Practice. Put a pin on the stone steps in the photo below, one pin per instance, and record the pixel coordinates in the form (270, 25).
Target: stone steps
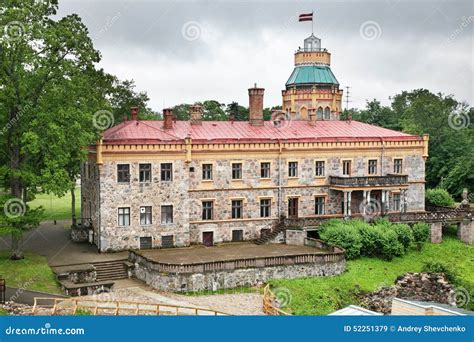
(111, 270)
(273, 234)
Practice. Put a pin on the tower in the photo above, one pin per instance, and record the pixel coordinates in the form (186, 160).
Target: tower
(312, 89)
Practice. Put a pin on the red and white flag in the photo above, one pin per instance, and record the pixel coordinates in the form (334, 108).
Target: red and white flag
(306, 17)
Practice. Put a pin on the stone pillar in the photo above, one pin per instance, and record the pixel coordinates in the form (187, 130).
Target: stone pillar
(349, 198)
(345, 204)
(382, 209)
(466, 231)
(403, 200)
(436, 232)
(364, 200)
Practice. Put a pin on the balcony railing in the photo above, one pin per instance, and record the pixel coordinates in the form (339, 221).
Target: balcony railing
(369, 181)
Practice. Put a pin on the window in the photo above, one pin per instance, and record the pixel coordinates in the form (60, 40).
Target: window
(327, 113)
(145, 173)
(236, 171)
(207, 210)
(397, 165)
(145, 216)
(167, 241)
(372, 167)
(346, 167)
(237, 235)
(293, 169)
(145, 242)
(123, 173)
(293, 207)
(320, 113)
(265, 170)
(265, 207)
(319, 169)
(319, 208)
(166, 214)
(237, 209)
(207, 171)
(396, 202)
(123, 216)
(166, 172)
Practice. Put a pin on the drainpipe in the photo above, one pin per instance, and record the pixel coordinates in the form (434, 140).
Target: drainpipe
(382, 155)
(279, 179)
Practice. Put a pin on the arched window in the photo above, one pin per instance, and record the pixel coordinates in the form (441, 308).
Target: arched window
(320, 113)
(327, 113)
(303, 113)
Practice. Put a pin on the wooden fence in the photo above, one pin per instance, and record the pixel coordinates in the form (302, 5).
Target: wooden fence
(58, 306)
(270, 302)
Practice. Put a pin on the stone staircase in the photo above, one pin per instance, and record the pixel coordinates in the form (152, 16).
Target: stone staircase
(111, 270)
(280, 227)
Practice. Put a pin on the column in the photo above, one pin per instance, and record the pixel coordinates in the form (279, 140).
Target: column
(404, 208)
(382, 209)
(436, 232)
(364, 201)
(466, 231)
(349, 196)
(387, 200)
(345, 203)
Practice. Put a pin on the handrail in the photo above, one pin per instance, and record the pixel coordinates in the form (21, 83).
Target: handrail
(369, 180)
(118, 306)
(269, 307)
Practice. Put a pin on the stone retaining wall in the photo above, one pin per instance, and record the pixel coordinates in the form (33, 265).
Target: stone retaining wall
(223, 279)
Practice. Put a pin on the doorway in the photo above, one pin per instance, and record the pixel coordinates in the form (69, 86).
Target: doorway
(208, 239)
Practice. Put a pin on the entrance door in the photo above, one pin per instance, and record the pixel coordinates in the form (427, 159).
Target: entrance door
(208, 239)
(293, 207)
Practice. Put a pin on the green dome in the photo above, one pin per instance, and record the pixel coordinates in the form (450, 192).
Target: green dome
(311, 74)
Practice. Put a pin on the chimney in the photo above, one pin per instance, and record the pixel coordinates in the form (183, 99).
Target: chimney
(196, 114)
(256, 105)
(167, 118)
(134, 113)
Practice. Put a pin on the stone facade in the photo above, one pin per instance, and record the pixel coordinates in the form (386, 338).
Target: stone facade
(102, 195)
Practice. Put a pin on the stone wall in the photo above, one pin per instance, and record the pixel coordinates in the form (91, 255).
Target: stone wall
(231, 278)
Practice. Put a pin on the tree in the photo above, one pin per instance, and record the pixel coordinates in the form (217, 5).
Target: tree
(40, 59)
(238, 112)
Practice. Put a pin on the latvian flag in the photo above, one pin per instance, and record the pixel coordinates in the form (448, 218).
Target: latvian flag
(306, 17)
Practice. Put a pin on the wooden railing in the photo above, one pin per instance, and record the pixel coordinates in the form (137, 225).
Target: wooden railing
(270, 303)
(113, 308)
(369, 181)
(256, 262)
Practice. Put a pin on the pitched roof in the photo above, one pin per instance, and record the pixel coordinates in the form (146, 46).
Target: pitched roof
(309, 74)
(152, 132)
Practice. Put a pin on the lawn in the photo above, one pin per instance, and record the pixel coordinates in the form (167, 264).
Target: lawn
(31, 273)
(57, 208)
(322, 295)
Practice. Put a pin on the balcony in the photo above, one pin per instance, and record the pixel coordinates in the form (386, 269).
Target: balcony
(371, 181)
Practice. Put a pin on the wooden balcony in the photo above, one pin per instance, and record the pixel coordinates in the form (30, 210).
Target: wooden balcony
(370, 181)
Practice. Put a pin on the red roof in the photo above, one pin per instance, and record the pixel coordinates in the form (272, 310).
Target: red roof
(152, 132)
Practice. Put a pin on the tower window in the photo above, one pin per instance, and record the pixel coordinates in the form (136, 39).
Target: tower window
(327, 113)
(320, 113)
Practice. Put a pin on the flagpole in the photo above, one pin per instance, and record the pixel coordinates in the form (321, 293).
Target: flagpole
(312, 22)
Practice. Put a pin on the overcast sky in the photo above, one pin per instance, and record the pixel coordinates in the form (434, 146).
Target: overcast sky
(192, 51)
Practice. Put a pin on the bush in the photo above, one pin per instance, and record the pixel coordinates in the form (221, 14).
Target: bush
(439, 197)
(404, 234)
(390, 246)
(421, 233)
(433, 266)
(371, 237)
(337, 233)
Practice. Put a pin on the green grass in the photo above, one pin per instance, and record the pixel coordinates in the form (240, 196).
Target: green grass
(3, 312)
(57, 208)
(31, 273)
(322, 295)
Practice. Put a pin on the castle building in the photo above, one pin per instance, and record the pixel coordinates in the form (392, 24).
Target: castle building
(154, 184)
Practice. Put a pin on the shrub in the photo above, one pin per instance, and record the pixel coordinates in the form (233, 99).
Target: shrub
(439, 197)
(390, 246)
(433, 266)
(404, 234)
(421, 233)
(337, 233)
(371, 239)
